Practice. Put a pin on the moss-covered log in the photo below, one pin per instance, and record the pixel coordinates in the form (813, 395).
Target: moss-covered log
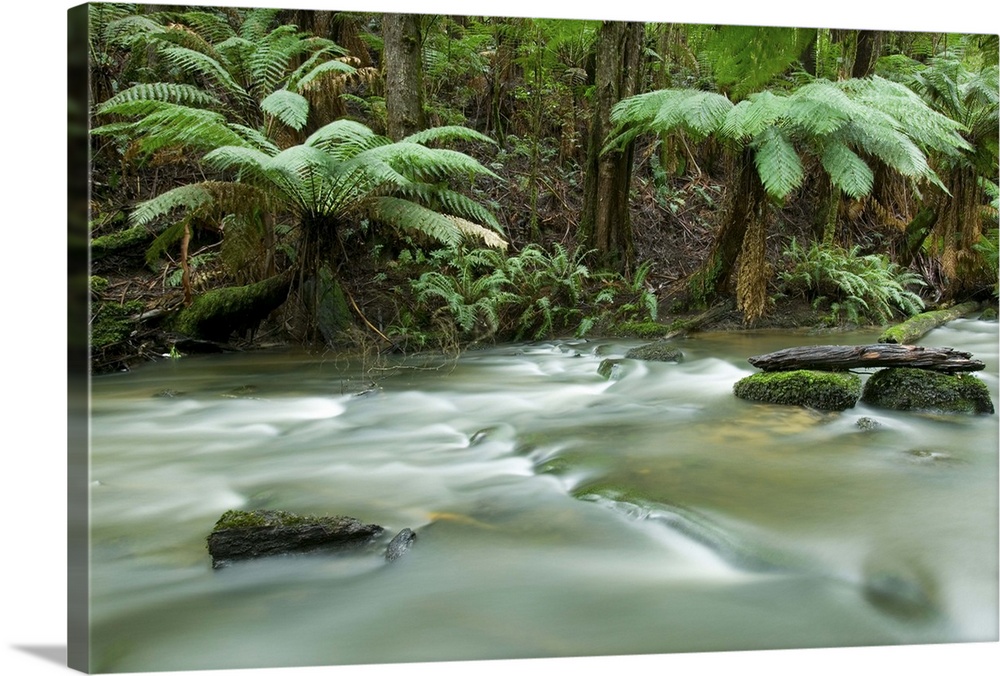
(844, 357)
(905, 389)
(919, 325)
(240, 535)
(823, 390)
(216, 314)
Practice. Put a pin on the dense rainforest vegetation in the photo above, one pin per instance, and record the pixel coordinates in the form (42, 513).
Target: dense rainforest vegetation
(407, 182)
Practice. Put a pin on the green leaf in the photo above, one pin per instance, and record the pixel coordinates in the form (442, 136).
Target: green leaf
(291, 108)
(847, 171)
(777, 162)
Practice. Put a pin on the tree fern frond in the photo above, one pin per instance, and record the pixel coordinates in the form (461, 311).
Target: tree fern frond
(414, 218)
(778, 163)
(315, 76)
(697, 112)
(257, 23)
(256, 138)
(166, 239)
(847, 171)
(343, 139)
(196, 63)
(447, 133)
(477, 231)
(290, 108)
(174, 125)
(169, 92)
(213, 27)
(127, 30)
(195, 197)
(183, 36)
(422, 163)
(819, 108)
(752, 115)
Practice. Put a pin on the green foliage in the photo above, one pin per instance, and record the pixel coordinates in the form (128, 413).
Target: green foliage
(746, 58)
(112, 323)
(860, 288)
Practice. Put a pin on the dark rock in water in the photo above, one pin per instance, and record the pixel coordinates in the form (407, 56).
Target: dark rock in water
(611, 369)
(170, 394)
(823, 390)
(907, 389)
(867, 424)
(658, 351)
(240, 535)
(400, 544)
(903, 594)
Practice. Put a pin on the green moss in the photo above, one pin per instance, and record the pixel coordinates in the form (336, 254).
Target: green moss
(610, 369)
(132, 238)
(658, 351)
(98, 284)
(112, 322)
(823, 390)
(216, 314)
(988, 315)
(640, 330)
(909, 389)
(263, 518)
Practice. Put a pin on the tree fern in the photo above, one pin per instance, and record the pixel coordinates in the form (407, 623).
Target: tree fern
(290, 108)
(777, 162)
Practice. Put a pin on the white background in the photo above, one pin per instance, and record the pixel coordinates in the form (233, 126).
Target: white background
(32, 335)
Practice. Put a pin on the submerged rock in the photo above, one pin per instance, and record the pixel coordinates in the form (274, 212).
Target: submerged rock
(907, 389)
(240, 535)
(867, 424)
(823, 390)
(610, 369)
(658, 351)
(400, 544)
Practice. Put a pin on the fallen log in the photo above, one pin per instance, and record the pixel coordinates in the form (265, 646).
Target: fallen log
(919, 325)
(844, 357)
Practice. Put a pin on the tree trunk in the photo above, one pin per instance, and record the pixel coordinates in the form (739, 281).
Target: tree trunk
(844, 357)
(605, 224)
(867, 53)
(748, 204)
(916, 327)
(404, 78)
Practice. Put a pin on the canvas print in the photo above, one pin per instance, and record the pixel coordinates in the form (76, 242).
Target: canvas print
(418, 337)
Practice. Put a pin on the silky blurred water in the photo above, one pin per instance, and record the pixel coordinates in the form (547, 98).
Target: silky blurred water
(557, 513)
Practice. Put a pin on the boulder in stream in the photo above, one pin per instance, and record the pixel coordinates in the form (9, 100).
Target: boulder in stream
(909, 389)
(658, 351)
(823, 390)
(240, 535)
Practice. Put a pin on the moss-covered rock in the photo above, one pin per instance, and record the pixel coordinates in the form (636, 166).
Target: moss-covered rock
(113, 322)
(216, 314)
(658, 351)
(907, 389)
(610, 369)
(823, 390)
(988, 315)
(240, 535)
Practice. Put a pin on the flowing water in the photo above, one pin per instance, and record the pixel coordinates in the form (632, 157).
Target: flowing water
(557, 513)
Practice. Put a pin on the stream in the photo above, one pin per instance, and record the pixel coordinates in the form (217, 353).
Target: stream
(557, 513)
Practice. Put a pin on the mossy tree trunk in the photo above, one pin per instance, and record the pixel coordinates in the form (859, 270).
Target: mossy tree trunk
(605, 223)
(746, 214)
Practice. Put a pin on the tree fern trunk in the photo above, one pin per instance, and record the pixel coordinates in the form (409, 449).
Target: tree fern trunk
(747, 204)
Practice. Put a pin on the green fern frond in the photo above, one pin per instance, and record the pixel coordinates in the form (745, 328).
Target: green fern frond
(168, 92)
(344, 139)
(193, 198)
(172, 125)
(778, 163)
(212, 27)
(478, 232)
(413, 218)
(198, 64)
(166, 239)
(257, 23)
(819, 108)
(751, 116)
(290, 108)
(448, 133)
(696, 112)
(428, 164)
(255, 138)
(182, 36)
(847, 171)
(129, 30)
(314, 78)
